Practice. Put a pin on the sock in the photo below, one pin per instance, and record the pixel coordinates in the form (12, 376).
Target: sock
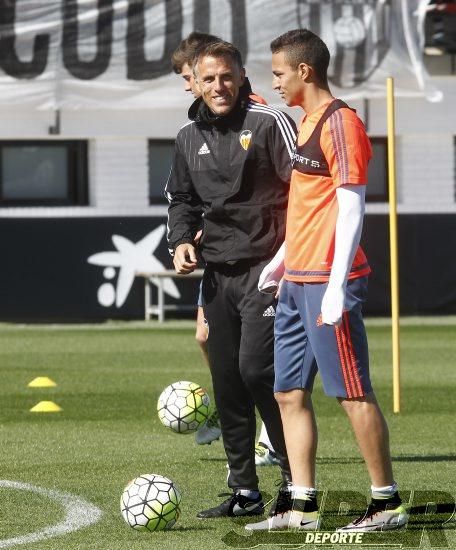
(382, 493)
(303, 493)
(304, 499)
(249, 493)
(264, 438)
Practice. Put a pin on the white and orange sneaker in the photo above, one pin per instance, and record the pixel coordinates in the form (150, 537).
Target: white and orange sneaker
(381, 515)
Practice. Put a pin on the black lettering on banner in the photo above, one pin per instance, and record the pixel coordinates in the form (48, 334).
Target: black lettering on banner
(239, 27)
(138, 67)
(87, 70)
(9, 60)
(201, 15)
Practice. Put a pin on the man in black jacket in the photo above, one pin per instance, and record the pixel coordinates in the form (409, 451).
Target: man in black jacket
(232, 166)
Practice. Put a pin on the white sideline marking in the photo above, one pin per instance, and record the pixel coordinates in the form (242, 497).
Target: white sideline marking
(78, 514)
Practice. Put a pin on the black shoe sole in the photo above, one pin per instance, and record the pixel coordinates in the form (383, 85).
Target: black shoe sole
(259, 513)
(200, 515)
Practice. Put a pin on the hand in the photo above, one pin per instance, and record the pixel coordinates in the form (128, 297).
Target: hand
(184, 259)
(279, 286)
(271, 287)
(270, 278)
(332, 305)
(198, 236)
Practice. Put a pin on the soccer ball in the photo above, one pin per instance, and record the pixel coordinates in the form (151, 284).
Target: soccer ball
(150, 503)
(349, 32)
(183, 406)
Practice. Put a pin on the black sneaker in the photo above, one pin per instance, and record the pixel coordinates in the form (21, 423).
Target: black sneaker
(283, 502)
(234, 506)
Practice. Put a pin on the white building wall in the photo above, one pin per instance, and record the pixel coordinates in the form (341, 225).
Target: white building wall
(119, 168)
(425, 150)
(426, 173)
(118, 154)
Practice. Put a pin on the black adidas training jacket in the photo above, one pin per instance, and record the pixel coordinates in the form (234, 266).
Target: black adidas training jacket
(232, 173)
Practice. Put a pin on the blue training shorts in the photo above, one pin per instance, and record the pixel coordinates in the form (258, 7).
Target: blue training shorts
(304, 346)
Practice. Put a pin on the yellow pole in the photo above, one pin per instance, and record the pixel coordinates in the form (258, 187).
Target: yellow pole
(393, 246)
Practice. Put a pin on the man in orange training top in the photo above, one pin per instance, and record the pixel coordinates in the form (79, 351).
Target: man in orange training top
(319, 325)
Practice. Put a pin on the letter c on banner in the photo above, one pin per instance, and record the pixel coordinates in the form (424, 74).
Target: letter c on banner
(9, 61)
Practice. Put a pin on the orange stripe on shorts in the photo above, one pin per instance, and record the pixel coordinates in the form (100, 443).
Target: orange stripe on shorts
(342, 357)
(352, 358)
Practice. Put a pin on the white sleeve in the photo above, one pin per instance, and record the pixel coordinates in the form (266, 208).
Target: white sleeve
(350, 199)
(272, 273)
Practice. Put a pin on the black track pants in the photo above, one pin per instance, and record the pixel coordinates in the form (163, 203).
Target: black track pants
(241, 353)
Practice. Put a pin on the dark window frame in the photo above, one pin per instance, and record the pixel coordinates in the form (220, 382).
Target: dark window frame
(77, 173)
(454, 167)
(380, 197)
(370, 198)
(157, 200)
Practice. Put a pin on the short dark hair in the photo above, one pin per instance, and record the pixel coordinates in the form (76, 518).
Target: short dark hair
(188, 49)
(221, 49)
(304, 46)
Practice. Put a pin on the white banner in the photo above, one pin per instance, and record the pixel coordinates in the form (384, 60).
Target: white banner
(115, 54)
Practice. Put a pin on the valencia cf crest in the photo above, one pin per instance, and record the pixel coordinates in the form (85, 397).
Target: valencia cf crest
(357, 33)
(245, 138)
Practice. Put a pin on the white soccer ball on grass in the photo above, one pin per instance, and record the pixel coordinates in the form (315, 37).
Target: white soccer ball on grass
(150, 503)
(183, 406)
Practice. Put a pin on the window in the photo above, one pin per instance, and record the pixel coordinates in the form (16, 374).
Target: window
(377, 188)
(43, 173)
(160, 160)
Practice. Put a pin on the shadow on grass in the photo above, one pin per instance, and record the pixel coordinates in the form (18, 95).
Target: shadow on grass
(425, 458)
(198, 528)
(436, 513)
(339, 460)
(401, 458)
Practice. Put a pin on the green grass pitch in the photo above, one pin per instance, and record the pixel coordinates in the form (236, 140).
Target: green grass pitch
(108, 381)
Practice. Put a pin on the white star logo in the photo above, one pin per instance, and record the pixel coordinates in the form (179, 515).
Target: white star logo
(132, 259)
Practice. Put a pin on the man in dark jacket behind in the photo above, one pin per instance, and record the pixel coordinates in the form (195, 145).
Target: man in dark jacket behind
(232, 166)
